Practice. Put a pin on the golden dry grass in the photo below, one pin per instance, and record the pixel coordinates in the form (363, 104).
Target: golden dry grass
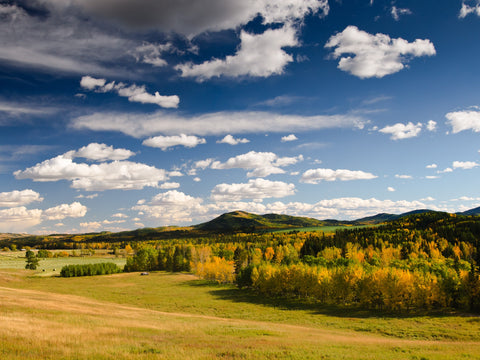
(40, 324)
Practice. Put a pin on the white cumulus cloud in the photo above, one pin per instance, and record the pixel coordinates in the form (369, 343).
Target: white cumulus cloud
(18, 198)
(166, 142)
(256, 189)
(314, 176)
(172, 207)
(401, 131)
(169, 185)
(134, 93)
(464, 120)
(431, 125)
(19, 219)
(124, 175)
(101, 152)
(261, 163)
(259, 55)
(374, 55)
(62, 211)
(288, 138)
(464, 164)
(229, 139)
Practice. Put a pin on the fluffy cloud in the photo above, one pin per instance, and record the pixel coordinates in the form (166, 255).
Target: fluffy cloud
(212, 123)
(134, 93)
(170, 185)
(391, 189)
(353, 208)
(464, 120)
(229, 139)
(259, 55)
(446, 170)
(19, 219)
(432, 166)
(314, 176)
(467, 10)
(401, 131)
(403, 176)
(91, 196)
(91, 226)
(374, 55)
(172, 207)
(256, 189)
(101, 152)
(165, 142)
(290, 137)
(464, 164)
(18, 198)
(124, 175)
(203, 164)
(262, 163)
(120, 216)
(431, 125)
(65, 210)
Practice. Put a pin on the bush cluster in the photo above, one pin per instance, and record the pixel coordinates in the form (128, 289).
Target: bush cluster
(89, 269)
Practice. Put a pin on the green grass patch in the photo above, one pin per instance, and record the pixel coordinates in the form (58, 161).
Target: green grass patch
(176, 316)
(52, 266)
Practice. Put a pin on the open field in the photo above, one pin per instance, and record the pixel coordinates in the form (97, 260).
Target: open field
(176, 316)
(52, 266)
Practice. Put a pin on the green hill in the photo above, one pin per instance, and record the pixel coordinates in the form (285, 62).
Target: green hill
(244, 221)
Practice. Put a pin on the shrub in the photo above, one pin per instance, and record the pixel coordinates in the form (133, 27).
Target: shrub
(89, 269)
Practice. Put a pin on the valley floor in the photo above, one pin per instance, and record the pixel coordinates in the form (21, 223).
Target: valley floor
(176, 316)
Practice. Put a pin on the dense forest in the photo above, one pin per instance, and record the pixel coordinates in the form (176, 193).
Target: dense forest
(423, 261)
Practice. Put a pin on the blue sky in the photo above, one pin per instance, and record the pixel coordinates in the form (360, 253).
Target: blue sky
(123, 114)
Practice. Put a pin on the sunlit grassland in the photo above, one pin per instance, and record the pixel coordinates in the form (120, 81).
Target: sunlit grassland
(52, 266)
(176, 316)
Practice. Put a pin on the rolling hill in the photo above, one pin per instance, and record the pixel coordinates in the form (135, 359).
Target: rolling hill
(241, 221)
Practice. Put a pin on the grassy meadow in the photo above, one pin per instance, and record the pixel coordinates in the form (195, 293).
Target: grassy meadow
(177, 316)
(52, 266)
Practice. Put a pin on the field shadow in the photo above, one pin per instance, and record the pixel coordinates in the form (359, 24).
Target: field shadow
(248, 296)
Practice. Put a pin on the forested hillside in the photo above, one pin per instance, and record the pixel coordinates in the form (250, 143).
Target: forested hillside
(422, 261)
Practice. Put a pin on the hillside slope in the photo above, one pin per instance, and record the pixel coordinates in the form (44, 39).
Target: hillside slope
(244, 221)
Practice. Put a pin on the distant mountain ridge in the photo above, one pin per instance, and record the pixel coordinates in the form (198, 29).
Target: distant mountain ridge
(474, 212)
(384, 217)
(242, 221)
